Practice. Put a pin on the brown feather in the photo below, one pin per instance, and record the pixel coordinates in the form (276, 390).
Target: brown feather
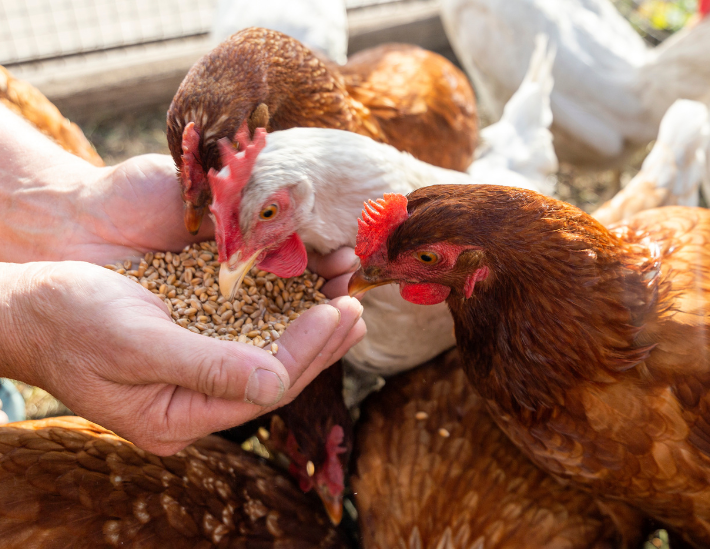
(590, 345)
(28, 102)
(429, 110)
(67, 483)
(470, 488)
(424, 105)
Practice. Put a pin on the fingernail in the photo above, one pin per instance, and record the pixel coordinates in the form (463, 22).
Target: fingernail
(356, 265)
(264, 388)
(339, 314)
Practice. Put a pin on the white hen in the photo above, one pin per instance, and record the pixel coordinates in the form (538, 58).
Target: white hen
(328, 174)
(519, 145)
(611, 89)
(321, 25)
(673, 171)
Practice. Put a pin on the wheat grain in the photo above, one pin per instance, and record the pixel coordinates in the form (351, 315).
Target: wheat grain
(187, 283)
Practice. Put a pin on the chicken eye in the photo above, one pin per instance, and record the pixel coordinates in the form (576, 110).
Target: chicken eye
(269, 212)
(428, 258)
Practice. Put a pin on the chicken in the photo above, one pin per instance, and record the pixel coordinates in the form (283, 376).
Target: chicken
(434, 470)
(304, 187)
(321, 25)
(589, 345)
(28, 102)
(518, 148)
(396, 94)
(673, 171)
(65, 482)
(315, 433)
(611, 89)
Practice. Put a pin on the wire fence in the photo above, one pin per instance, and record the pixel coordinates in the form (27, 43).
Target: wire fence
(32, 30)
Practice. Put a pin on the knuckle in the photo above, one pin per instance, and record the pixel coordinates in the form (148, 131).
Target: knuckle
(213, 377)
(166, 448)
(161, 442)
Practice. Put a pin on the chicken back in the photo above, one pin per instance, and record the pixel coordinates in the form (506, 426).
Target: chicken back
(423, 104)
(412, 99)
(65, 482)
(589, 345)
(27, 101)
(434, 470)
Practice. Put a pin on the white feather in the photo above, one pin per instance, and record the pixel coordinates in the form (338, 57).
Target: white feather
(330, 173)
(611, 90)
(518, 148)
(673, 171)
(318, 24)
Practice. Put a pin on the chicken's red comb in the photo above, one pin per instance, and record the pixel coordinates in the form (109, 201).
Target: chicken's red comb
(704, 8)
(379, 219)
(227, 185)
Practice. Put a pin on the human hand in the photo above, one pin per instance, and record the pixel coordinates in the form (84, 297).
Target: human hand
(108, 349)
(336, 268)
(100, 215)
(56, 206)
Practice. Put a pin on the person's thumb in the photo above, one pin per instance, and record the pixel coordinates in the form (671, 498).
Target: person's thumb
(215, 368)
(239, 372)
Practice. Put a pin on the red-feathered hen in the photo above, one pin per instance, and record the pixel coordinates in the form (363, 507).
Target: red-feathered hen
(67, 483)
(433, 470)
(589, 345)
(315, 433)
(399, 94)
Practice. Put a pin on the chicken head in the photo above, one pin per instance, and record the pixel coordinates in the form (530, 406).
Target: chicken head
(326, 475)
(264, 244)
(315, 433)
(426, 271)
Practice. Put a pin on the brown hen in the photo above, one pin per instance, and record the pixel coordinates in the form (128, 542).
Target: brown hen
(410, 98)
(434, 470)
(589, 345)
(315, 433)
(67, 483)
(27, 101)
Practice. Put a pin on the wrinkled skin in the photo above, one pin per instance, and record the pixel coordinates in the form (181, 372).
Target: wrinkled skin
(106, 347)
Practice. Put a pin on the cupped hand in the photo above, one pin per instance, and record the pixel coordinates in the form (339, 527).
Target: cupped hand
(108, 349)
(336, 267)
(55, 206)
(100, 215)
(136, 207)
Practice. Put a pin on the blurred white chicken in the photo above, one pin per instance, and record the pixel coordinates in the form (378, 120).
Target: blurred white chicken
(519, 145)
(611, 89)
(321, 25)
(314, 181)
(673, 171)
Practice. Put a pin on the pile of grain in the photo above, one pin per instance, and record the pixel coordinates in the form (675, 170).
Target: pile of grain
(188, 284)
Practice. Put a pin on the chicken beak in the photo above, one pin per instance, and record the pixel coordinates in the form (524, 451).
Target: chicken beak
(193, 217)
(232, 273)
(333, 506)
(359, 284)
